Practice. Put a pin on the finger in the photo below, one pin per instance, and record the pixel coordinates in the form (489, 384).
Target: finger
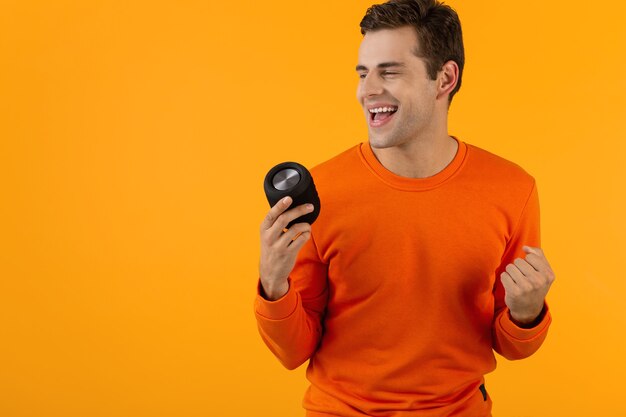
(526, 268)
(533, 278)
(299, 241)
(534, 252)
(532, 249)
(534, 256)
(284, 219)
(292, 233)
(520, 280)
(542, 266)
(540, 263)
(274, 212)
(508, 283)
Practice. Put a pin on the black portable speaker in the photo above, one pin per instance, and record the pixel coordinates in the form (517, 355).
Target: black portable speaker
(294, 180)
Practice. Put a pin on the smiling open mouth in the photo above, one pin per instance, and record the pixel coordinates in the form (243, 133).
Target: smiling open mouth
(380, 115)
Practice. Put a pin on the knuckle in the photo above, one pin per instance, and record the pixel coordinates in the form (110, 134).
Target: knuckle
(529, 257)
(269, 218)
(278, 252)
(282, 220)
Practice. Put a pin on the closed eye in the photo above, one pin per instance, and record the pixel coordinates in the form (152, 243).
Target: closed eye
(384, 74)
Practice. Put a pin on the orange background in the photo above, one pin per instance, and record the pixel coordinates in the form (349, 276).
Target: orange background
(134, 139)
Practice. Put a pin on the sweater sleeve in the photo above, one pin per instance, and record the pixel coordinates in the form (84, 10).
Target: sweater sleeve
(291, 326)
(509, 340)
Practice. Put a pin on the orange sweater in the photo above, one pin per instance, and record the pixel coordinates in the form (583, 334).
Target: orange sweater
(396, 299)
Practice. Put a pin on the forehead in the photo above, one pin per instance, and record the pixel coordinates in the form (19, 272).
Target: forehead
(385, 45)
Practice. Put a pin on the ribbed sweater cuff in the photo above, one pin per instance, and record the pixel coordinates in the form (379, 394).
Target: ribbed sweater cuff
(279, 309)
(520, 333)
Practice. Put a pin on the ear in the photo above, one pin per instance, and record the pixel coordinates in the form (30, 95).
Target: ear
(447, 78)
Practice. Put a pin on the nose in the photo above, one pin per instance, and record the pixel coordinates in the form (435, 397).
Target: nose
(371, 85)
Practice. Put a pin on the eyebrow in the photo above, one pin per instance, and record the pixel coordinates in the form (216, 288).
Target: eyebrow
(381, 65)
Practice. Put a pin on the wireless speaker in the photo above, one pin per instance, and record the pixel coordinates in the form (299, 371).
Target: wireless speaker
(294, 180)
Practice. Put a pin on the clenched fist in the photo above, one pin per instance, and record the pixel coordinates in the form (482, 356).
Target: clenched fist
(280, 246)
(526, 283)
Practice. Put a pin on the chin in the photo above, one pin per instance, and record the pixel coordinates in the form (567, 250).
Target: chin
(379, 142)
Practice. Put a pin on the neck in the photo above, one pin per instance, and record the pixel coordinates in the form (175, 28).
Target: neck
(421, 157)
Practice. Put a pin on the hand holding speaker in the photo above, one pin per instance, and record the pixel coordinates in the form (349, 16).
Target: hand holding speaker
(287, 184)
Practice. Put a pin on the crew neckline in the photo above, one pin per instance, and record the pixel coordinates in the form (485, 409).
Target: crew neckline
(407, 183)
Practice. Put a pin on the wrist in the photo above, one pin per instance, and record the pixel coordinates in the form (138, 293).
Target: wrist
(527, 321)
(273, 291)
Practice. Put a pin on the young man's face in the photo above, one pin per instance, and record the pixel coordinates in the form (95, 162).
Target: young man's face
(391, 76)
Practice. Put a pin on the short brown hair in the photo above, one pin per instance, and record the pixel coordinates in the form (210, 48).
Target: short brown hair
(438, 31)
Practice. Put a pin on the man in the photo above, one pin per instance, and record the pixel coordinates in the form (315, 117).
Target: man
(425, 257)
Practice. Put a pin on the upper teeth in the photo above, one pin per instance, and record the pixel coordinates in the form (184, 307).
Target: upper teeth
(383, 109)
